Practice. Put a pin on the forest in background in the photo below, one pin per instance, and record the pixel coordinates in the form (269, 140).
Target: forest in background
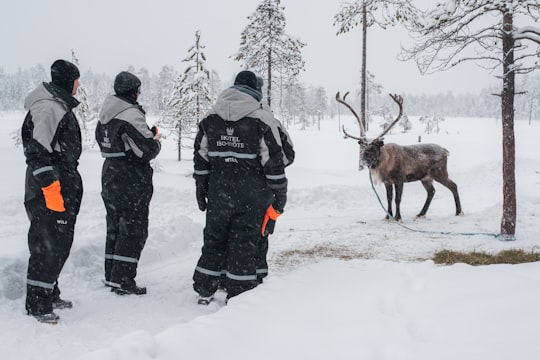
(314, 101)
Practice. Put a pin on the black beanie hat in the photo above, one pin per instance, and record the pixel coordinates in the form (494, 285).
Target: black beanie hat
(126, 84)
(64, 74)
(246, 77)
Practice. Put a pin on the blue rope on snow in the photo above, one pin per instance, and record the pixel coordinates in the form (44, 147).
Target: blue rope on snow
(500, 237)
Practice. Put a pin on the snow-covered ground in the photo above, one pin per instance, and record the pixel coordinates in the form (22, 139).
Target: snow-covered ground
(389, 302)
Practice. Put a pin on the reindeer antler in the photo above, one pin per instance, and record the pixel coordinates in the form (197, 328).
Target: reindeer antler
(362, 130)
(351, 136)
(399, 100)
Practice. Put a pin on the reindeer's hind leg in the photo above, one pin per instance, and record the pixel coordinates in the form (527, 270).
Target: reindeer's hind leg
(453, 188)
(428, 185)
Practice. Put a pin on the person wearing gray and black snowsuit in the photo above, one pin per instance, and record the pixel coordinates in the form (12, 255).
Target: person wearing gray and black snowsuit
(240, 182)
(289, 154)
(127, 144)
(51, 139)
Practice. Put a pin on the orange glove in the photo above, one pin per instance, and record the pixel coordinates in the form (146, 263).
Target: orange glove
(269, 221)
(53, 197)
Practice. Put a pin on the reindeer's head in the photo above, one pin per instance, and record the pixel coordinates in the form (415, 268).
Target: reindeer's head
(370, 149)
(371, 156)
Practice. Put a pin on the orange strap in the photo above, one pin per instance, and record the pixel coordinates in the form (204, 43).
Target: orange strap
(271, 213)
(53, 197)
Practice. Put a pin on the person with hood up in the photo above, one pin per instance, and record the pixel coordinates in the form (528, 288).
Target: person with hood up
(240, 182)
(289, 155)
(127, 144)
(52, 146)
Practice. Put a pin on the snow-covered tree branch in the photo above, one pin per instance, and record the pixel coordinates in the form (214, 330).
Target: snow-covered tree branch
(486, 32)
(190, 96)
(266, 49)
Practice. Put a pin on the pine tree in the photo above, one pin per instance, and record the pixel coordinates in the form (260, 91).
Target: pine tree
(368, 13)
(190, 95)
(164, 82)
(405, 123)
(267, 49)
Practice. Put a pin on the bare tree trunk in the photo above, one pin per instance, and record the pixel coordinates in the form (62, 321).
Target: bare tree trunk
(508, 222)
(269, 75)
(179, 143)
(363, 85)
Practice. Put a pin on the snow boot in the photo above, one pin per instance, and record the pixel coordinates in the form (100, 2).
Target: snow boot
(49, 318)
(205, 300)
(132, 290)
(62, 304)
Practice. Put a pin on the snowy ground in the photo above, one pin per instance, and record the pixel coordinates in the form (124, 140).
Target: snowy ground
(390, 302)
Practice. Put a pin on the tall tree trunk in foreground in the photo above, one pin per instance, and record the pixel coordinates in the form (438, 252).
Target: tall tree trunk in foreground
(508, 222)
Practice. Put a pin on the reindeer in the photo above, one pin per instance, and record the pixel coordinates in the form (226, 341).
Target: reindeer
(394, 165)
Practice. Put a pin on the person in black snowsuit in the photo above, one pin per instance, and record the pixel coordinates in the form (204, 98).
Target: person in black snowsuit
(51, 139)
(289, 154)
(127, 144)
(240, 180)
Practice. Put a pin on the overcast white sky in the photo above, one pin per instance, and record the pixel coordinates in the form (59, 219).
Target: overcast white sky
(110, 35)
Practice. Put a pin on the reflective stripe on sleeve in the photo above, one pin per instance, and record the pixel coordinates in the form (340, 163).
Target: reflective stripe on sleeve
(113, 155)
(275, 177)
(202, 172)
(42, 170)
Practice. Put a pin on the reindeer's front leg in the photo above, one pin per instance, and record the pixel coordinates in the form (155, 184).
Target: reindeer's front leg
(389, 197)
(399, 191)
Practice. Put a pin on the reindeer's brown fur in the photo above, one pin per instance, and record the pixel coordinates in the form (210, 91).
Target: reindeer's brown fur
(394, 165)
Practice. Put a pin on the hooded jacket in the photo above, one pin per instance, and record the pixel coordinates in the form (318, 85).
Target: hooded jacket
(52, 142)
(238, 147)
(122, 132)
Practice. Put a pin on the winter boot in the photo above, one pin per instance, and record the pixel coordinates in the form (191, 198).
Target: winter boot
(50, 318)
(131, 290)
(62, 304)
(205, 300)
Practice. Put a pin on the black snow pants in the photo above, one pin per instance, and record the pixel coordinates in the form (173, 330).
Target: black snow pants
(126, 191)
(231, 246)
(260, 259)
(49, 240)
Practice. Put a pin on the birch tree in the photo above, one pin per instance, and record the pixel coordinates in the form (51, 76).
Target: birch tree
(485, 32)
(265, 47)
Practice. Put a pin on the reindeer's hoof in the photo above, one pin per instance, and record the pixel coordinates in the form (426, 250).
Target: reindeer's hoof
(460, 214)
(420, 216)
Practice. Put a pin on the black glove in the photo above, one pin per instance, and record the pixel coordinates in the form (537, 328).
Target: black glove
(269, 228)
(154, 130)
(201, 191)
(280, 199)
